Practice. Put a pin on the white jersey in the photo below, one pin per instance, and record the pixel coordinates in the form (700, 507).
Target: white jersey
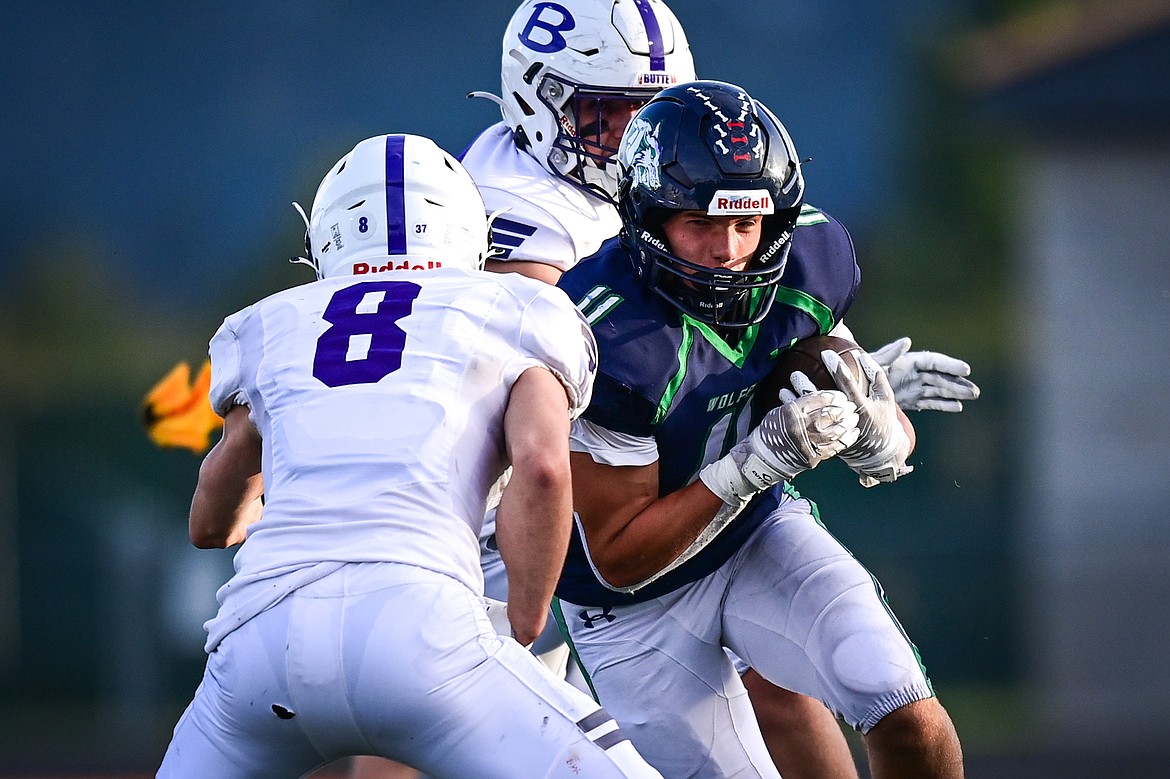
(380, 402)
(545, 218)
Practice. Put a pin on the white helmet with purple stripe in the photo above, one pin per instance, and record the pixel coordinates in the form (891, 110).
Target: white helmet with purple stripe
(396, 202)
(569, 65)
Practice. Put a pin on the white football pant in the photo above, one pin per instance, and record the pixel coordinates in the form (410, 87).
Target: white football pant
(391, 660)
(793, 603)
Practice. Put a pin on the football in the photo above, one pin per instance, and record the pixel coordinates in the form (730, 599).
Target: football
(805, 356)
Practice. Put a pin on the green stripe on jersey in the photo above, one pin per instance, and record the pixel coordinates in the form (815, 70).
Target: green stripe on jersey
(597, 303)
(810, 216)
(809, 305)
(735, 354)
(684, 350)
(692, 329)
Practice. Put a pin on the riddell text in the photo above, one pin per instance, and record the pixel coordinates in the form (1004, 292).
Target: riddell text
(364, 267)
(742, 203)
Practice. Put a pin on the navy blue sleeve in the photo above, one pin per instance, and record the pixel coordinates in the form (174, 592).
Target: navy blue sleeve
(617, 407)
(823, 263)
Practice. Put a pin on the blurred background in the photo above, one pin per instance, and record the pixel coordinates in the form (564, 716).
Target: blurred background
(1003, 165)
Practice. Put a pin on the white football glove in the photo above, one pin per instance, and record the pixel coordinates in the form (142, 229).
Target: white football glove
(791, 438)
(925, 381)
(880, 452)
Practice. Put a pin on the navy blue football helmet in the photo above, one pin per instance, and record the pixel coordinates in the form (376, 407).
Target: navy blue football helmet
(709, 146)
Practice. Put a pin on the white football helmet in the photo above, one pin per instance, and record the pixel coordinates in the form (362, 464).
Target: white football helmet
(569, 64)
(395, 202)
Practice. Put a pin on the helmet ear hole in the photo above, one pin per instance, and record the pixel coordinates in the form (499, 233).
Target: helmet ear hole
(524, 107)
(521, 139)
(530, 74)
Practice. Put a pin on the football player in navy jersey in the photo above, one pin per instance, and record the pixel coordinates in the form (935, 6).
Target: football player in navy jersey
(574, 68)
(689, 536)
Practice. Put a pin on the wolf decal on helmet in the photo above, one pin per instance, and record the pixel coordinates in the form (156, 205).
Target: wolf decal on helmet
(642, 155)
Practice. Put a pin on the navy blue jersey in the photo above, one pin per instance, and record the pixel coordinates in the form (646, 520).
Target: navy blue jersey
(665, 375)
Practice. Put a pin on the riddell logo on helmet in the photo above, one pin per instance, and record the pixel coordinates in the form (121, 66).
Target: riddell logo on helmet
(361, 268)
(741, 202)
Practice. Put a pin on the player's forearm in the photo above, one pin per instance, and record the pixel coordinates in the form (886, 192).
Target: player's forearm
(654, 538)
(549, 274)
(535, 515)
(223, 510)
(635, 536)
(227, 496)
(533, 523)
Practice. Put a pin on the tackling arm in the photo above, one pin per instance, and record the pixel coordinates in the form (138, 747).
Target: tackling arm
(540, 271)
(227, 498)
(535, 515)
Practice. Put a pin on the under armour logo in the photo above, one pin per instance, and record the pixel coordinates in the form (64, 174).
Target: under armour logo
(590, 619)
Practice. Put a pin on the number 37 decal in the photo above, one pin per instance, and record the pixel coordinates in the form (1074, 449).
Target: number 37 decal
(364, 343)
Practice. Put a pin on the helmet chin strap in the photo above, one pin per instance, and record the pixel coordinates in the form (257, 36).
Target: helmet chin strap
(488, 96)
(305, 260)
(493, 251)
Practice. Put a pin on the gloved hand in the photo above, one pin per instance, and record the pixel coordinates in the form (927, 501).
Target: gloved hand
(791, 438)
(880, 451)
(925, 381)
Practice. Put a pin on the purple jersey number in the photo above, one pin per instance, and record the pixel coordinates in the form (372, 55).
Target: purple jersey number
(358, 318)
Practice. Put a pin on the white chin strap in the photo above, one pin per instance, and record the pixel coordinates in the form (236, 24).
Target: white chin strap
(304, 260)
(488, 96)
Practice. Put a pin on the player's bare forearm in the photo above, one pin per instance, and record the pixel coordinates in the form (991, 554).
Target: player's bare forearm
(633, 533)
(227, 498)
(535, 515)
(549, 274)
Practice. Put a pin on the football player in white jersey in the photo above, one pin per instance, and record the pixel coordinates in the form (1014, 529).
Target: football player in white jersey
(573, 73)
(372, 410)
(572, 76)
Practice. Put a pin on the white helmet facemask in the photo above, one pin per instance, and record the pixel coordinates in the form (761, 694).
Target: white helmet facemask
(575, 71)
(395, 202)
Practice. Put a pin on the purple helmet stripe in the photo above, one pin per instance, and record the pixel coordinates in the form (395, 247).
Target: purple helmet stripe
(654, 33)
(395, 195)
